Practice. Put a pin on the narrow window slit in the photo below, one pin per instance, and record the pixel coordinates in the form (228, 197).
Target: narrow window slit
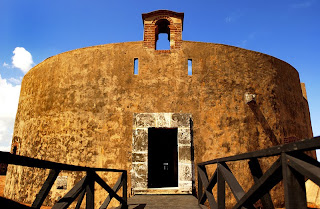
(189, 66)
(136, 65)
(162, 32)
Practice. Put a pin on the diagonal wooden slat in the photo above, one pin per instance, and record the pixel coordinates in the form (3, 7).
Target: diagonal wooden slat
(208, 193)
(256, 172)
(200, 188)
(294, 186)
(80, 199)
(115, 188)
(65, 201)
(112, 193)
(232, 181)
(203, 179)
(268, 180)
(221, 189)
(213, 180)
(44, 191)
(211, 184)
(302, 156)
(234, 185)
(308, 170)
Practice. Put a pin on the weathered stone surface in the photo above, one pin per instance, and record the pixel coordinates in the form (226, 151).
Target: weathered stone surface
(145, 120)
(249, 97)
(140, 140)
(185, 172)
(186, 186)
(139, 157)
(184, 136)
(139, 179)
(185, 154)
(181, 120)
(62, 182)
(163, 120)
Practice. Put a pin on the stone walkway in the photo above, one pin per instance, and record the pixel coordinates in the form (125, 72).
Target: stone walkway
(163, 201)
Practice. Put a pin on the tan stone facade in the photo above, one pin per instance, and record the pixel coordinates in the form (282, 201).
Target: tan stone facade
(82, 107)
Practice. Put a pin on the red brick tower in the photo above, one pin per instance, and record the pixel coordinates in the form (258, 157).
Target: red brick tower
(162, 21)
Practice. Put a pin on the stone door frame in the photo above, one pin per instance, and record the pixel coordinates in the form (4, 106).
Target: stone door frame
(139, 172)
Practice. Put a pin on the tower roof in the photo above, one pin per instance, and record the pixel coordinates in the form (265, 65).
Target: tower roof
(162, 12)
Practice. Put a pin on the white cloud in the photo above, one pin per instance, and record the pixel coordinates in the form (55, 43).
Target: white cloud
(304, 4)
(9, 97)
(6, 65)
(5, 148)
(228, 19)
(22, 59)
(243, 43)
(234, 16)
(15, 81)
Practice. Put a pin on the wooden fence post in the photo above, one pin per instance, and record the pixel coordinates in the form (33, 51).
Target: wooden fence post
(90, 191)
(294, 186)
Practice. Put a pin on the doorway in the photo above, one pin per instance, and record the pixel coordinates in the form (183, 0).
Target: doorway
(150, 127)
(162, 157)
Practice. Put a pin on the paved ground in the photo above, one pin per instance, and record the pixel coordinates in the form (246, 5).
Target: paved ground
(163, 201)
(148, 201)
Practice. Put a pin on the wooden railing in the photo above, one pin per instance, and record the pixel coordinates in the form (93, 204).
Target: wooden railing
(84, 187)
(293, 166)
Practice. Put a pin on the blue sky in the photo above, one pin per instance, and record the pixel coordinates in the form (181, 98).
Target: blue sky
(286, 29)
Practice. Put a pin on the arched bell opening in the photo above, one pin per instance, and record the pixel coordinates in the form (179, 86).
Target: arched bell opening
(162, 34)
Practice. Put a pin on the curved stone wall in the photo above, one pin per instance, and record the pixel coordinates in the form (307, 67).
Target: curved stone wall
(78, 107)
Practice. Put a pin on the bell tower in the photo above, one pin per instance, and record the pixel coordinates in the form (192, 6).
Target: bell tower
(162, 21)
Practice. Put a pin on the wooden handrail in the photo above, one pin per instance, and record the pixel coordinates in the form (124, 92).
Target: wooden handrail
(8, 158)
(84, 187)
(293, 166)
(301, 146)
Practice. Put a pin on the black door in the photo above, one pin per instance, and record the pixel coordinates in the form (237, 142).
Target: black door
(162, 157)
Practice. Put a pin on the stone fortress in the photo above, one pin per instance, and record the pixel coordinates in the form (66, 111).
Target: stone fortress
(130, 106)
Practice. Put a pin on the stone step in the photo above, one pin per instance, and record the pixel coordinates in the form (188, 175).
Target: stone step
(163, 201)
